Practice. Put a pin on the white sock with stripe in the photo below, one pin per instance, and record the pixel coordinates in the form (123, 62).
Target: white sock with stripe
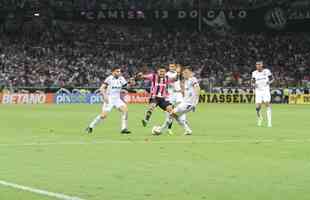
(124, 120)
(95, 122)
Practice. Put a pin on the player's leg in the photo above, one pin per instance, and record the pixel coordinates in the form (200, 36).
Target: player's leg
(179, 114)
(267, 101)
(106, 108)
(124, 117)
(181, 119)
(259, 101)
(148, 113)
(259, 115)
(169, 119)
(168, 108)
(175, 101)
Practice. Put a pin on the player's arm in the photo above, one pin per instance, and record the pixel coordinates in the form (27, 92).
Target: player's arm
(129, 84)
(103, 88)
(270, 79)
(253, 83)
(140, 76)
(197, 93)
(103, 91)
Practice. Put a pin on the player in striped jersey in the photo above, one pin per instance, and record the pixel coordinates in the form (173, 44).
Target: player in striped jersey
(158, 92)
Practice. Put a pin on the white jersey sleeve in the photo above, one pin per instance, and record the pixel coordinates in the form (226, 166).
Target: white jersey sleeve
(108, 80)
(268, 72)
(123, 81)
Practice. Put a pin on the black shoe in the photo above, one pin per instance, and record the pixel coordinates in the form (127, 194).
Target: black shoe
(144, 123)
(89, 130)
(125, 131)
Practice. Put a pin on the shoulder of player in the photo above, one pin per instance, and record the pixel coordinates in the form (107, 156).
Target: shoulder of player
(123, 79)
(108, 79)
(267, 70)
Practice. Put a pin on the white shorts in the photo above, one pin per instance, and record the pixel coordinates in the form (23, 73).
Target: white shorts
(183, 108)
(175, 98)
(117, 103)
(262, 97)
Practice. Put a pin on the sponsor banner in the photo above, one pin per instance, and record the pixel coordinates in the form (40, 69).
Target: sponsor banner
(64, 96)
(77, 99)
(137, 97)
(299, 99)
(227, 98)
(32, 98)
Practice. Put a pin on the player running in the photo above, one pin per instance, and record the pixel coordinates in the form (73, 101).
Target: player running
(158, 92)
(191, 91)
(261, 80)
(175, 96)
(111, 91)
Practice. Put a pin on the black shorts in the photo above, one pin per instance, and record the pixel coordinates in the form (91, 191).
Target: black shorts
(161, 102)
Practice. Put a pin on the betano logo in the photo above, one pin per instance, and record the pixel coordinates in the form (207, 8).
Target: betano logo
(20, 98)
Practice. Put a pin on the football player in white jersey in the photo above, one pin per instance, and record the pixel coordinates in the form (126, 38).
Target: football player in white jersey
(175, 96)
(191, 91)
(111, 90)
(261, 80)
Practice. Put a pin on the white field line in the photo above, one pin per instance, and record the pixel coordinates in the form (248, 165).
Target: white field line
(150, 141)
(38, 191)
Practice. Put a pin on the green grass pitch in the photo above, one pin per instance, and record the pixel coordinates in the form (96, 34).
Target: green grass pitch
(227, 158)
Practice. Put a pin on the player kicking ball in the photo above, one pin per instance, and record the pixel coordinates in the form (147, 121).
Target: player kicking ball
(111, 91)
(159, 93)
(191, 90)
(261, 80)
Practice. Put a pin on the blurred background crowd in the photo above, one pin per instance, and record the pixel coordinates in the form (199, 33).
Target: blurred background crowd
(80, 54)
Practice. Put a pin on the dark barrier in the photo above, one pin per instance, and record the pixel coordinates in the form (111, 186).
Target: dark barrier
(282, 17)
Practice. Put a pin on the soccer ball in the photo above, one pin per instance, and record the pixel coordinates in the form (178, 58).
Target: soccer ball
(156, 130)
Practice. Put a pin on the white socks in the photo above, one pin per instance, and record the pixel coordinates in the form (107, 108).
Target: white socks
(168, 121)
(269, 116)
(182, 121)
(124, 120)
(96, 121)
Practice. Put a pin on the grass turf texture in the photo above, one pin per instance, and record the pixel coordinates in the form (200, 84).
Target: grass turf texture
(228, 157)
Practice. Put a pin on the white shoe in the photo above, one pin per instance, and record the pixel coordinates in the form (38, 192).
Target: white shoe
(188, 132)
(170, 132)
(269, 125)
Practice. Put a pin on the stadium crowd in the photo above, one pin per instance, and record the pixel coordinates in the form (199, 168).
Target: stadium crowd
(81, 55)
